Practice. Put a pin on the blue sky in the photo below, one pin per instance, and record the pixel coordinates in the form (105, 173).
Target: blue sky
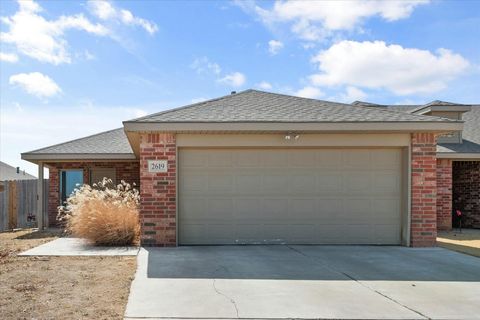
(70, 69)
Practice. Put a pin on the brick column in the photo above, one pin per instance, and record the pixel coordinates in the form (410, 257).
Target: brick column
(53, 195)
(424, 190)
(444, 194)
(158, 190)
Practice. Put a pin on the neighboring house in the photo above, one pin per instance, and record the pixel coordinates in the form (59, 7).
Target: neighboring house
(17, 197)
(8, 173)
(458, 163)
(257, 167)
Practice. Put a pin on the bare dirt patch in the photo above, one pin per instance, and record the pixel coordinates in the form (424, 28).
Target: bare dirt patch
(467, 241)
(60, 287)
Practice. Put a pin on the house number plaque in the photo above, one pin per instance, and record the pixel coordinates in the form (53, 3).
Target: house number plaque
(157, 166)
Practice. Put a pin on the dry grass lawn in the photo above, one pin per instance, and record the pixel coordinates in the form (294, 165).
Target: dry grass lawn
(467, 241)
(60, 287)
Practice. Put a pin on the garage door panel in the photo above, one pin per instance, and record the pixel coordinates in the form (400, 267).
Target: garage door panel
(386, 234)
(386, 159)
(309, 196)
(220, 232)
(193, 233)
(329, 183)
(218, 182)
(247, 232)
(247, 208)
(329, 160)
(302, 209)
(303, 183)
(220, 160)
(328, 209)
(301, 233)
(193, 159)
(385, 210)
(302, 160)
(247, 158)
(275, 233)
(248, 183)
(274, 159)
(358, 233)
(274, 183)
(330, 233)
(358, 183)
(386, 183)
(193, 182)
(274, 208)
(219, 208)
(357, 159)
(194, 208)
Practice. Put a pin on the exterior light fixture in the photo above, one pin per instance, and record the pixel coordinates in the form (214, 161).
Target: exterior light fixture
(292, 136)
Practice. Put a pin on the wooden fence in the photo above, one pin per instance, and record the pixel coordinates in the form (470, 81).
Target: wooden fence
(18, 204)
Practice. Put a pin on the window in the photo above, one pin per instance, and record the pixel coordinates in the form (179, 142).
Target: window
(68, 182)
(97, 174)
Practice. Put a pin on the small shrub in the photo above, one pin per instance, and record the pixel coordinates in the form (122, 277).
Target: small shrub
(103, 214)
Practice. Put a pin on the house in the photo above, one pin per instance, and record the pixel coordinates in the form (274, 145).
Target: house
(8, 173)
(260, 168)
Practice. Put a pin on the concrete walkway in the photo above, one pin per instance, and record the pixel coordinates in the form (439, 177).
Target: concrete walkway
(77, 247)
(305, 282)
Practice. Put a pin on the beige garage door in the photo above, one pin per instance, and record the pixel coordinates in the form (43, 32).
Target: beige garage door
(301, 196)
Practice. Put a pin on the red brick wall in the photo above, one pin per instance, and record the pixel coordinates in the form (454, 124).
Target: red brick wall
(158, 193)
(444, 194)
(466, 191)
(424, 190)
(128, 171)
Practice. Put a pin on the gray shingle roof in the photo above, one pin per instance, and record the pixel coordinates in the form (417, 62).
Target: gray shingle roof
(7, 172)
(470, 134)
(113, 141)
(259, 106)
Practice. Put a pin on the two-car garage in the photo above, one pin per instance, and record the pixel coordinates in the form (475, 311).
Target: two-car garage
(262, 195)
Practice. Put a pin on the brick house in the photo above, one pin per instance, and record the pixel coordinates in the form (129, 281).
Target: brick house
(261, 168)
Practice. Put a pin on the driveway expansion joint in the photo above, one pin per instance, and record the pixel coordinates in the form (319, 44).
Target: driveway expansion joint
(357, 281)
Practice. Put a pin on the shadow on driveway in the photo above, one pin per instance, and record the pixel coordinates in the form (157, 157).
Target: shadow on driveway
(282, 262)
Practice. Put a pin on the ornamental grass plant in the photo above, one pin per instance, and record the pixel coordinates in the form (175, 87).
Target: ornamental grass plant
(103, 214)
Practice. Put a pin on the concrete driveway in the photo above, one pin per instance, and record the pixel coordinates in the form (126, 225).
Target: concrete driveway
(306, 282)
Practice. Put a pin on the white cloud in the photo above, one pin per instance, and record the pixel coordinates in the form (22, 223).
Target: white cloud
(314, 20)
(102, 9)
(353, 94)
(105, 10)
(309, 92)
(88, 55)
(204, 65)
(43, 39)
(8, 57)
(274, 46)
(264, 85)
(36, 84)
(401, 70)
(235, 79)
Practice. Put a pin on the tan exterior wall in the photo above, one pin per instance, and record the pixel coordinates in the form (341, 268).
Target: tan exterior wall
(304, 140)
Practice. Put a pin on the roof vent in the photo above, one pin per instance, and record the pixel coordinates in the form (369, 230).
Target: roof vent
(233, 92)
